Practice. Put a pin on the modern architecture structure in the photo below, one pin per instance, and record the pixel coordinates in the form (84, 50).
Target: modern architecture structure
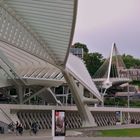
(35, 40)
(77, 51)
(109, 74)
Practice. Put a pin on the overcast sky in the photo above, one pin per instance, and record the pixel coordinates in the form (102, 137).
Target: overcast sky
(102, 22)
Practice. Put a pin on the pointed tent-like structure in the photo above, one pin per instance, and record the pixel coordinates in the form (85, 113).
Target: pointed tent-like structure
(109, 72)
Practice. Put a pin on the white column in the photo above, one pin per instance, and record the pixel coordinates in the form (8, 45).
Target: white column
(86, 116)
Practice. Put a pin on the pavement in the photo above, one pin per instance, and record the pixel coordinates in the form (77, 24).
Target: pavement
(75, 134)
(41, 135)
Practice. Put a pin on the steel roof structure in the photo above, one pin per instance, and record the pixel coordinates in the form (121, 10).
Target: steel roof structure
(49, 23)
(35, 39)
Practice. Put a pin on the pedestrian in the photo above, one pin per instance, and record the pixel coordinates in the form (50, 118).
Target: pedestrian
(20, 129)
(17, 127)
(11, 127)
(34, 128)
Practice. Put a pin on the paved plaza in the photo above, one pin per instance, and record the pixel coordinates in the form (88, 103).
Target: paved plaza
(70, 134)
(67, 138)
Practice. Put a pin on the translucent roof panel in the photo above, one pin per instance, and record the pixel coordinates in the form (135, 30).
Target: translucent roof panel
(52, 20)
(77, 69)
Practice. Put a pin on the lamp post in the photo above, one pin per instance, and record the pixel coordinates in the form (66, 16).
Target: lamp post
(128, 96)
(128, 102)
(103, 94)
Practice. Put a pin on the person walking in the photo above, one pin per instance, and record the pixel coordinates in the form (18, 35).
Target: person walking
(20, 129)
(34, 128)
(17, 127)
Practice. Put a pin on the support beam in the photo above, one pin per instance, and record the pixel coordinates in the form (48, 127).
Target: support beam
(10, 70)
(20, 92)
(35, 94)
(88, 120)
(36, 46)
(90, 100)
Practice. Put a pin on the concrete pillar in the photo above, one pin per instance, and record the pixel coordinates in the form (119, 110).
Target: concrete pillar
(20, 92)
(87, 117)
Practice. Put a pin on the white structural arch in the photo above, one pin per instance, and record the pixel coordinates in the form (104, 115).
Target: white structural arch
(45, 25)
(35, 38)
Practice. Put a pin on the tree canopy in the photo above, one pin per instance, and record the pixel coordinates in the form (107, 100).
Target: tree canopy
(130, 61)
(81, 45)
(94, 60)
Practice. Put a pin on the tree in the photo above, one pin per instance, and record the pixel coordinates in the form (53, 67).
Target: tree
(80, 45)
(93, 61)
(130, 61)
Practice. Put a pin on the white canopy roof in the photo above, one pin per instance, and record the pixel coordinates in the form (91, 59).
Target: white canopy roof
(32, 69)
(40, 31)
(77, 69)
(52, 20)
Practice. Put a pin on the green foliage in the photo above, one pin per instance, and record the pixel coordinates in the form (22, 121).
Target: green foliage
(80, 45)
(115, 101)
(120, 102)
(93, 61)
(109, 101)
(134, 82)
(135, 103)
(133, 132)
(130, 61)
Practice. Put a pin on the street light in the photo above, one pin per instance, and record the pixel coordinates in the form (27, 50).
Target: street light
(128, 102)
